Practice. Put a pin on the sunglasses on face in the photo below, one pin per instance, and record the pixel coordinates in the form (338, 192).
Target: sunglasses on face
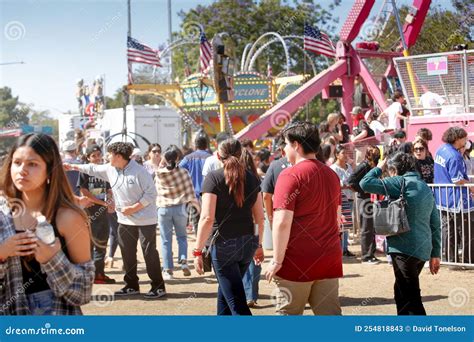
(419, 149)
(156, 151)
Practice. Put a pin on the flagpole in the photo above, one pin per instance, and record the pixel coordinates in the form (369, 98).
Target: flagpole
(304, 73)
(129, 11)
(170, 34)
(129, 34)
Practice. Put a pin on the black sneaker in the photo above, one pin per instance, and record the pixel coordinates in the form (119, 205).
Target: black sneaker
(155, 293)
(127, 291)
(371, 261)
(348, 254)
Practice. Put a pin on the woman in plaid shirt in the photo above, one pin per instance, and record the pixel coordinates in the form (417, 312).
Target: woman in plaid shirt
(37, 278)
(175, 192)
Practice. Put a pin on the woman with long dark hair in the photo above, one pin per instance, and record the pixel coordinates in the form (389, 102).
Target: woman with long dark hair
(42, 278)
(231, 206)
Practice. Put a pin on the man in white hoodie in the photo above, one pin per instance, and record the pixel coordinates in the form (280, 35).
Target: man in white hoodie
(135, 199)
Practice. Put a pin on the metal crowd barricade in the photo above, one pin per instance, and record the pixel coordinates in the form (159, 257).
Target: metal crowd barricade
(457, 224)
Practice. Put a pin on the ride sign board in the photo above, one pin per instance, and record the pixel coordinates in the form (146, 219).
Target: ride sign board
(437, 66)
(251, 90)
(37, 129)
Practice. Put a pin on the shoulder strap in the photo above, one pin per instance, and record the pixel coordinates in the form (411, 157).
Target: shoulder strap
(402, 191)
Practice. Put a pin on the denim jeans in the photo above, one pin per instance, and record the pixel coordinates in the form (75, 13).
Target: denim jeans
(41, 303)
(251, 279)
(345, 241)
(169, 217)
(231, 259)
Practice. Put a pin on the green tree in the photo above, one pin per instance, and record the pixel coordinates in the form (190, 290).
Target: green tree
(246, 20)
(442, 29)
(13, 114)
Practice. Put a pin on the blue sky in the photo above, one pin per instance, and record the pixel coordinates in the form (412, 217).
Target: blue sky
(61, 41)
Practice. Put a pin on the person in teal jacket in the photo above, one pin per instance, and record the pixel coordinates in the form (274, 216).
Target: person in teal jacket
(410, 250)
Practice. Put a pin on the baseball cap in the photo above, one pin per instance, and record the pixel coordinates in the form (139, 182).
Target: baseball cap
(356, 110)
(136, 152)
(91, 149)
(400, 135)
(69, 146)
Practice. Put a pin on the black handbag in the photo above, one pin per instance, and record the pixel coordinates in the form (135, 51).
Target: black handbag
(390, 217)
(206, 253)
(206, 259)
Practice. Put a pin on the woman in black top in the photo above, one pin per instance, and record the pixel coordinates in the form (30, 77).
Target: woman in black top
(424, 161)
(231, 204)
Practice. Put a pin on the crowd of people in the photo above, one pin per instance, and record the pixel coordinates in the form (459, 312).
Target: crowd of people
(318, 183)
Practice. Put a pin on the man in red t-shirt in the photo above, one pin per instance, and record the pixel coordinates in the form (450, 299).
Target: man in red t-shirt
(307, 259)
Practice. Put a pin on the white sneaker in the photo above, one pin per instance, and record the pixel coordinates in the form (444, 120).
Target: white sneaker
(167, 275)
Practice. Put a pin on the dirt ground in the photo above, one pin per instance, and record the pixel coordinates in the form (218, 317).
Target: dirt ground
(364, 290)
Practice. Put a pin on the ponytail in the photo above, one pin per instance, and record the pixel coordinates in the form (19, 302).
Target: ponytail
(230, 152)
(171, 157)
(234, 173)
(172, 165)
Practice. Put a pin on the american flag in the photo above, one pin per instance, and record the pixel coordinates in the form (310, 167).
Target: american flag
(205, 51)
(141, 53)
(318, 42)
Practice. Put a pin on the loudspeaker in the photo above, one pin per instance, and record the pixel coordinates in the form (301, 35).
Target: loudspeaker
(335, 91)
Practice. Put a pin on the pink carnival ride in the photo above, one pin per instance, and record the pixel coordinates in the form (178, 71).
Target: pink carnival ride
(349, 65)
(440, 92)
